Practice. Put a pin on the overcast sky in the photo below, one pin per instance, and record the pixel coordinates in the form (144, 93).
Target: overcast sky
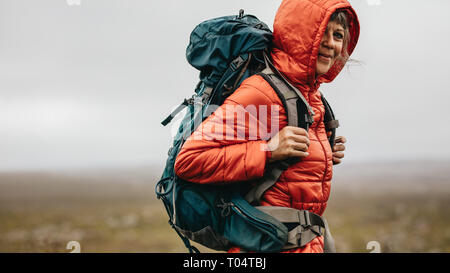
(88, 85)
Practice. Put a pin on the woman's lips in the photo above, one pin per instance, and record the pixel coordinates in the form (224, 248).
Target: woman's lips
(324, 58)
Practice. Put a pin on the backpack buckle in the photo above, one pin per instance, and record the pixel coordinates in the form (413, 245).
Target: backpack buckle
(206, 94)
(236, 63)
(194, 100)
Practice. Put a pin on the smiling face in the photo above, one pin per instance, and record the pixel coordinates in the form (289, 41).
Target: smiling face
(330, 47)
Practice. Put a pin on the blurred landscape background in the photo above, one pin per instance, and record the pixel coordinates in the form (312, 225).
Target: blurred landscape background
(83, 89)
(405, 207)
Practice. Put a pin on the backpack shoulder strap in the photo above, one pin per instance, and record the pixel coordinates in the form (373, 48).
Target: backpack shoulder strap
(299, 114)
(330, 121)
(287, 96)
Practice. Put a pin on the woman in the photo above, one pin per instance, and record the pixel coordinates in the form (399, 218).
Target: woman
(312, 42)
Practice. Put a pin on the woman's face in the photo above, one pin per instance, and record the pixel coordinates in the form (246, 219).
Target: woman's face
(330, 47)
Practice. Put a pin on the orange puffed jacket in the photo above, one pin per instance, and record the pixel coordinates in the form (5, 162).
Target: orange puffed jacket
(209, 157)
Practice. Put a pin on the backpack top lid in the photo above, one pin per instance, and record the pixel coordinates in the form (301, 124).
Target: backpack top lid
(216, 42)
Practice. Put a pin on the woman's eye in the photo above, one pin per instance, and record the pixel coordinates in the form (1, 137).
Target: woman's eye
(338, 35)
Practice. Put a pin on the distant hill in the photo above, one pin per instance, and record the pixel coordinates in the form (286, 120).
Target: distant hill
(73, 183)
(414, 176)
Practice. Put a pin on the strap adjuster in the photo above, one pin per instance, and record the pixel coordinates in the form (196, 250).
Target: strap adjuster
(236, 63)
(304, 219)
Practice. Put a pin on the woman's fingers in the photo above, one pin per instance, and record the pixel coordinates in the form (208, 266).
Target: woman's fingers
(338, 148)
(298, 154)
(295, 130)
(300, 139)
(294, 142)
(340, 139)
(300, 146)
(289, 142)
(336, 161)
(338, 155)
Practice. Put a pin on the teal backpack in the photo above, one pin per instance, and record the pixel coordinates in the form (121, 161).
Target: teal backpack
(227, 50)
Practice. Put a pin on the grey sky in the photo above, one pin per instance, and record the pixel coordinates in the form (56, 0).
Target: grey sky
(88, 85)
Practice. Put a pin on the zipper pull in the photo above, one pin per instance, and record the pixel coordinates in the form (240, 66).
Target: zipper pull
(226, 207)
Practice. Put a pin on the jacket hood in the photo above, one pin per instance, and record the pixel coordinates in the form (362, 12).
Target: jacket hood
(297, 33)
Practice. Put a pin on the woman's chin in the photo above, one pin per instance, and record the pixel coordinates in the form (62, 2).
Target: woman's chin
(320, 71)
(322, 66)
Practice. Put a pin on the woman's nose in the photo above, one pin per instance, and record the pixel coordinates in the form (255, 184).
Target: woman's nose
(327, 40)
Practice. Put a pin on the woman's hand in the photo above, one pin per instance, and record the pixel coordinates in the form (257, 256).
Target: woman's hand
(338, 149)
(289, 142)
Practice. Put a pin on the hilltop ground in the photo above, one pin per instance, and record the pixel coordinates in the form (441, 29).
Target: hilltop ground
(404, 207)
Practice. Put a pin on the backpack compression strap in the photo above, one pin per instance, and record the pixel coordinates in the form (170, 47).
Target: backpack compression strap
(309, 226)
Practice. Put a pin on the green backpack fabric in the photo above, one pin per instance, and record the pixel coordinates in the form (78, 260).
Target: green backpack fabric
(227, 50)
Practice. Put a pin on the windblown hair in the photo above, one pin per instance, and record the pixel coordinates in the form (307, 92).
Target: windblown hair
(341, 18)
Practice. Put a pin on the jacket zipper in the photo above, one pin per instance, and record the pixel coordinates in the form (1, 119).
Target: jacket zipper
(326, 161)
(324, 152)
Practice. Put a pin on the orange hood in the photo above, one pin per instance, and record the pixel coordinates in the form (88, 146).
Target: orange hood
(298, 29)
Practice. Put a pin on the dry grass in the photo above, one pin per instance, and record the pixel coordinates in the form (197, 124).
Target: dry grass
(42, 212)
(399, 222)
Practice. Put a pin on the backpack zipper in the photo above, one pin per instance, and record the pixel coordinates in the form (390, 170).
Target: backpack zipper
(256, 220)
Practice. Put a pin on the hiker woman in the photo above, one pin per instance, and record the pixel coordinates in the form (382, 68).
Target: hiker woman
(312, 40)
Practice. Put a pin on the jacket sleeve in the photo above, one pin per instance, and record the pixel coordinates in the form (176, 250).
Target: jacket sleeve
(231, 144)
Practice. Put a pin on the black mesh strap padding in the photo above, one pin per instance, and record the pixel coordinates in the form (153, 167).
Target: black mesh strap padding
(330, 121)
